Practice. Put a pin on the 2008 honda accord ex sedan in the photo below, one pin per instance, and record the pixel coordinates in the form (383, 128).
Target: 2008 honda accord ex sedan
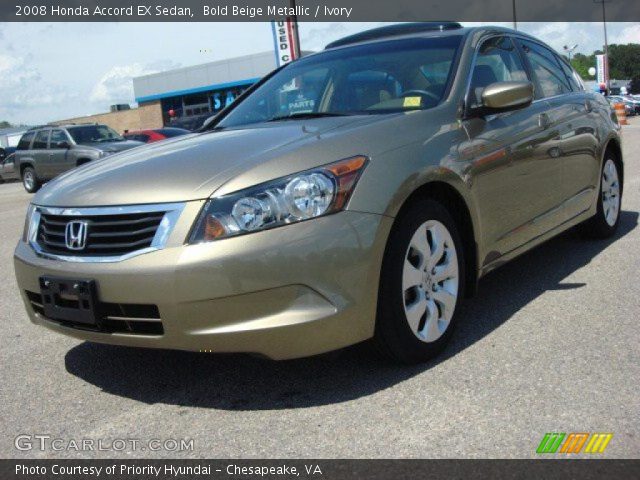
(355, 194)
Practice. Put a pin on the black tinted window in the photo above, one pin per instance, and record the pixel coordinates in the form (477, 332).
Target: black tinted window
(57, 136)
(41, 139)
(551, 78)
(25, 141)
(93, 134)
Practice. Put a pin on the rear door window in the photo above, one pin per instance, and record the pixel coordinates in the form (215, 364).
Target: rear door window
(57, 136)
(40, 142)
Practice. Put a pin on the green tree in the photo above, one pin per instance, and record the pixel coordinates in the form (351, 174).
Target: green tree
(624, 61)
(5, 124)
(582, 63)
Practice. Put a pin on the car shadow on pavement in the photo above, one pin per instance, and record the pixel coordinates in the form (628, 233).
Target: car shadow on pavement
(243, 382)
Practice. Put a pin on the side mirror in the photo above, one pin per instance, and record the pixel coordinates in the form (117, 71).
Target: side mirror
(505, 96)
(62, 144)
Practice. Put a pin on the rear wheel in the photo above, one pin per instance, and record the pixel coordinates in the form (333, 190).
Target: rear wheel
(605, 222)
(30, 180)
(421, 284)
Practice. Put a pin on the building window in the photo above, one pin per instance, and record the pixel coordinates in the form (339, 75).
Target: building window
(196, 104)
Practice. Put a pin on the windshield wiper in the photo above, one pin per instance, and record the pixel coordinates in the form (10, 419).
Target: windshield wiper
(295, 116)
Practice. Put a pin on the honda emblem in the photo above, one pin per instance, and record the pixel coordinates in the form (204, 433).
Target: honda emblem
(75, 235)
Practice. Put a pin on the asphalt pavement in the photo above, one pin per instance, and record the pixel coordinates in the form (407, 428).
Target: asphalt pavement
(551, 343)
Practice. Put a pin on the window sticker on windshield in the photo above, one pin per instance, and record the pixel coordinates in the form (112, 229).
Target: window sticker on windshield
(411, 102)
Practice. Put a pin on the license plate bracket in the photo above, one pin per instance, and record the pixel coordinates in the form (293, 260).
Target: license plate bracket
(70, 300)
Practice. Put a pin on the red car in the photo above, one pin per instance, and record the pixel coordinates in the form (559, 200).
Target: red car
(155, 135)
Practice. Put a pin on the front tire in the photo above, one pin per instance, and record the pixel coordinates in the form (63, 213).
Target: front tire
(30, 180)
(421, 284)
(605, 222)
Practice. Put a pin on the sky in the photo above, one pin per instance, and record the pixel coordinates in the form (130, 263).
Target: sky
(61, 70)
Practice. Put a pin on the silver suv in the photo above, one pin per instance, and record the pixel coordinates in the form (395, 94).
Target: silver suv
(45, 152)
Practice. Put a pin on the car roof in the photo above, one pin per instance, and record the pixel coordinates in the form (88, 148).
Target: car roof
(157, 130)
(146, 130)
(414, 30)
(74, 125)
(67, 125)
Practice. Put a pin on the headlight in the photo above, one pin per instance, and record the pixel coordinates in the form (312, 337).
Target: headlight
(28, 224)
(291, 199)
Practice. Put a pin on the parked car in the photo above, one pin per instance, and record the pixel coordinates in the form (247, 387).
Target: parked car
(355, 194)
(5, 152)
(635, 102)
(45, 152)
(632, 104)
(7, 168)
(628, 108)
(155, 135)
(192, 123)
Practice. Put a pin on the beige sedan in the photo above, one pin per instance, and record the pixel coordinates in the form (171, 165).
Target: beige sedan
(356, 194)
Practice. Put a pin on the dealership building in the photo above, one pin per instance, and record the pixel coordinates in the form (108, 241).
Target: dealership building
(184, 93)
(201, 89)
(170, 97)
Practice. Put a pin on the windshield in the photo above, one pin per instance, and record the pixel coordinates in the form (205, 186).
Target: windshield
(382, 77)
(94, 134)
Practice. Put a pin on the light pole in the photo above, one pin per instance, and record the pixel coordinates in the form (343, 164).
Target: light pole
(515, 22)
(296, 35)
(570, 50)
(606, 42)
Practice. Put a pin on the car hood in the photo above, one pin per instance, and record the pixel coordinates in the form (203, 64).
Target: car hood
(113, 147)
(192, 167)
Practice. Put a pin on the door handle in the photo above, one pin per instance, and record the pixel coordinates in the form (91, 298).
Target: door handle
(543, 121)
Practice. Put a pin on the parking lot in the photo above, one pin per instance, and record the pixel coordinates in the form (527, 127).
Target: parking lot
(551, 343)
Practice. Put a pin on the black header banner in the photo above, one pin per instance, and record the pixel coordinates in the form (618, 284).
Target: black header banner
(319, 10)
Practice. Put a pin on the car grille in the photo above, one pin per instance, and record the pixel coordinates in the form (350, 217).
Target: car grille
(139, 319)
(107, 235)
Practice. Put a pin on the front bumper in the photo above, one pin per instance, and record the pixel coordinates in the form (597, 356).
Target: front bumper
(289, 292)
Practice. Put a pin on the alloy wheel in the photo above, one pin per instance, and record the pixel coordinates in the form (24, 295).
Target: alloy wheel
(430, 281)
(610, 192)
(28, 180)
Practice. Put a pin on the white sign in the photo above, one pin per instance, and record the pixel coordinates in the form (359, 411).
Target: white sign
(283, 41)
(601, 68)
